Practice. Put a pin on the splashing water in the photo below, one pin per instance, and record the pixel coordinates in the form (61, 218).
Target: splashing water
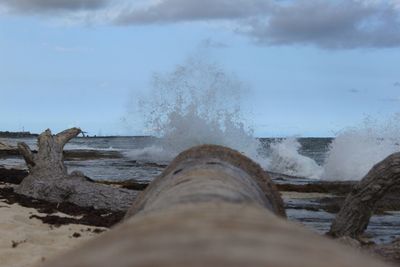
(352, 153)
(356, 150)
(285, 158)
(198, 103)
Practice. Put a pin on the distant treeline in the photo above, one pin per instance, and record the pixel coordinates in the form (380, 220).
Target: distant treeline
(8, 134)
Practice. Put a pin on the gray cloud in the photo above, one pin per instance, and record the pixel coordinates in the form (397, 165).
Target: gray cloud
(167, 11)
(396, 84)
(330, 24)
(45, 6)
(340, 24)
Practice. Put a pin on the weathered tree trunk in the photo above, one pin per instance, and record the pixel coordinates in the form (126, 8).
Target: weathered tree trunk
(353, 218)
(210, 174)
(211, 207)
(49, 180)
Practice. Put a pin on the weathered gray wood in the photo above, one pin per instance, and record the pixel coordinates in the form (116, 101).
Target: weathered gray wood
(354, 216)
(25, 151)
(49, 180)
(5, 146)
(211, 207)
(210, 174)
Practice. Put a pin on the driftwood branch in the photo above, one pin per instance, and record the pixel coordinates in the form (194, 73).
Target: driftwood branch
(49, 180)
(65, 136)
(27, 153)
(353, 218)
(211, 207)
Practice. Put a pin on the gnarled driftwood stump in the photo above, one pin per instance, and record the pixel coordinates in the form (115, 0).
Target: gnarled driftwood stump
(211, 207)
(353, 217)
(49, 180)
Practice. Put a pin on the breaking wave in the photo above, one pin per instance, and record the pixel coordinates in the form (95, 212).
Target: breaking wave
(356, 150)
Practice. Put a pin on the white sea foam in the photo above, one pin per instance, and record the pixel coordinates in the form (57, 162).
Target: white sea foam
(151, 153)
(352, 153)
(284, 157)
(355, 150)
(78, 146)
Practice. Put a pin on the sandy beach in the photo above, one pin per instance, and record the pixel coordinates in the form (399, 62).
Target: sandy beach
(26, 241)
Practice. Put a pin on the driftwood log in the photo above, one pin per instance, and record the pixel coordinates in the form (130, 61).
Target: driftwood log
(5, 146)
(49, 180)
(353, 218)
(211, 207)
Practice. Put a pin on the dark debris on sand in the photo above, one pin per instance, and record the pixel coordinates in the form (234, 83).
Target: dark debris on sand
(15, 244)
(88, 216)
(12, 176)
(76, 235)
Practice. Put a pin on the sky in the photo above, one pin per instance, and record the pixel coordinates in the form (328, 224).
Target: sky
(311, 67)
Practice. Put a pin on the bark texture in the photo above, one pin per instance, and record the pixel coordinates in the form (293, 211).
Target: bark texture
(49, 180)
(354, 216)
(210, 174)
(211, 207)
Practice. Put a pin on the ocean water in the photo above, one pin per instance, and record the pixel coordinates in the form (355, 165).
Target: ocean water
(142, 158)
(348, 156)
